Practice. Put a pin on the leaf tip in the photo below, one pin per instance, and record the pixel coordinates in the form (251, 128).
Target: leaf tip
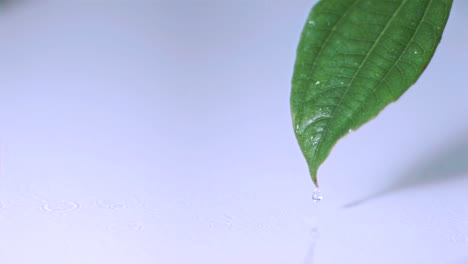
(315, 180)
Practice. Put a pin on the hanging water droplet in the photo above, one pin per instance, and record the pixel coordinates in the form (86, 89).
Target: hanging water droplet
(317, 195)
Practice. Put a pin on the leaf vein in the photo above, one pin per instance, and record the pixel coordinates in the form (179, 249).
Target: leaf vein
(326, 129)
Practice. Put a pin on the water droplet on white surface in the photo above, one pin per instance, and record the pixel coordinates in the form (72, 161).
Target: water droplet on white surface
(317, 195)
(137, 227)
(458, 238)
(110, 205)
(60, 206)
(227, 220)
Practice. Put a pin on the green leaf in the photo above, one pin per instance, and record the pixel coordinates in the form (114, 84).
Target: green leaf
(354, 58)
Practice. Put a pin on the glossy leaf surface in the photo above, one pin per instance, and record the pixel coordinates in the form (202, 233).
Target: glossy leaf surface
(355, 57)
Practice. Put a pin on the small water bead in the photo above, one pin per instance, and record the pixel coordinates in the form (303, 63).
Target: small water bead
(311, 22)
(317, 195)
(417, 49)
(317, 82)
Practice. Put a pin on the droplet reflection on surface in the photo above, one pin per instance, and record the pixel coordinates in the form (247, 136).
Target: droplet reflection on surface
(314, 234)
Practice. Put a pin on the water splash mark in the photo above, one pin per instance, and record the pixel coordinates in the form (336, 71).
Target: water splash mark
(61, 206)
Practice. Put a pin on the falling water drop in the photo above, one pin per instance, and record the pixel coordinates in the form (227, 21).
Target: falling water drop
(317, 195)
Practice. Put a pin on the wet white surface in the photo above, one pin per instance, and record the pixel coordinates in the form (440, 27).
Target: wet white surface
(159, 132)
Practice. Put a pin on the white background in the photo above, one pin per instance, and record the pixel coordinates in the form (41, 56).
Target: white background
(159, 132)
